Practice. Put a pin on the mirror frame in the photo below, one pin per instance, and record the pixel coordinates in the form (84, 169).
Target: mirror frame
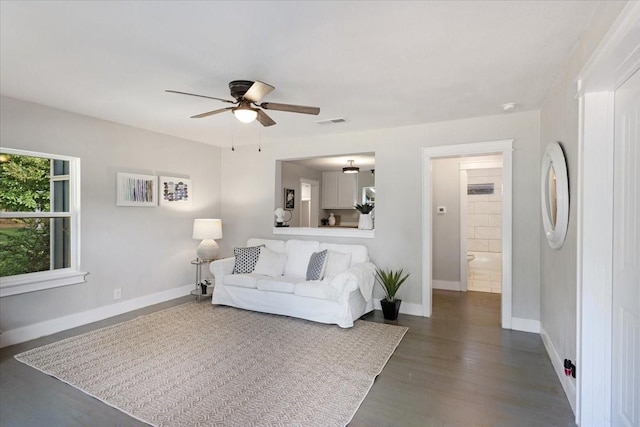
(554, 158)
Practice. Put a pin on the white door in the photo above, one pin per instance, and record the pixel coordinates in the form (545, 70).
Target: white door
(625, 360)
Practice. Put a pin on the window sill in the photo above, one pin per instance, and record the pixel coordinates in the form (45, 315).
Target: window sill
(325, 232)
(23, 283)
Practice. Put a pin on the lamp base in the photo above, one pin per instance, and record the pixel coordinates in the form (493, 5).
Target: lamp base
(207, 250)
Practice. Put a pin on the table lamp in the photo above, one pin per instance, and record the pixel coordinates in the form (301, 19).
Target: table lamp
(207, 230)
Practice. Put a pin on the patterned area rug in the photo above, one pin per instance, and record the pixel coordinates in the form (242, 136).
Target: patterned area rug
(203, 365)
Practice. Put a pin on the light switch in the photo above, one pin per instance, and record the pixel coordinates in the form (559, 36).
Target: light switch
(442, 209)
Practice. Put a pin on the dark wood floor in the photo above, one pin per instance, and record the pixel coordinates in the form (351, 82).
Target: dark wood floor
(458, 368)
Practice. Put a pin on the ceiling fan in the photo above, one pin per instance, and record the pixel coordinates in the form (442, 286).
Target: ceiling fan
(247, 94)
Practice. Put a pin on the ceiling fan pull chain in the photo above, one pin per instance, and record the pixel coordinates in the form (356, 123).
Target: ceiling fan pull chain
(259, 140)
(233, 136)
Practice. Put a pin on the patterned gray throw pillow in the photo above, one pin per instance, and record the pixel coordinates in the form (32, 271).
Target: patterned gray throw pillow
(317, 265)
(246, 259)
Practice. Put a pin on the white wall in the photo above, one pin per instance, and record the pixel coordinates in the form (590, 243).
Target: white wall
(446, 227)
(560, 122)
(141, 250)
(291, 174)
(248, 178)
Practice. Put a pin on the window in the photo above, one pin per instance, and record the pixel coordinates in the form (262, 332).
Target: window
(39, 221)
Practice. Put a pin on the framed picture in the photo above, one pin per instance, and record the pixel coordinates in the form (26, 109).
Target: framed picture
(136, 190)
(175, 191)
(289, 198)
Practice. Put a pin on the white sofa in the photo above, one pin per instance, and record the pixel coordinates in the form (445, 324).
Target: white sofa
(342, 296)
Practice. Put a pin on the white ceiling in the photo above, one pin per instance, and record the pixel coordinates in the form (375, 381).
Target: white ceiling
(378, 64)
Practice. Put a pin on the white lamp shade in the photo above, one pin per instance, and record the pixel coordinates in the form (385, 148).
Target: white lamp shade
(207, 229)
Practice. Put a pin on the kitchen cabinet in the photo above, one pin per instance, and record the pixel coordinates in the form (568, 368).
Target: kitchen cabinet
(339, 190)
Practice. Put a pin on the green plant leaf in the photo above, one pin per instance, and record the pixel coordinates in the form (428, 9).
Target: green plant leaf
(365, 208)
(390, 281)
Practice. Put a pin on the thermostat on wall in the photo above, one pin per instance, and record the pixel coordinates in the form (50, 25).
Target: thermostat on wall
(442, 209)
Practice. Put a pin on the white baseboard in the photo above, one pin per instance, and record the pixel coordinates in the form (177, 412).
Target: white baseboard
(37, 330)
(525, 325)
(446, 285)
(406, 307)
(568, 383)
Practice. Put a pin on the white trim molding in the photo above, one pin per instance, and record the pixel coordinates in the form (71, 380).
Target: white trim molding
(325, 232)
(73, 274)
(410, 308)
(37, 330)
(504, 147)
(568, 383)
(615, 59)
(23, 283)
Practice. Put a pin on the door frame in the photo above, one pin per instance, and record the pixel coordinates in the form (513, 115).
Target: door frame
(504, 147)
(615, 59)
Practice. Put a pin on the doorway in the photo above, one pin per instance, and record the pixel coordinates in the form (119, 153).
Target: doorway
(429, 155)
(309, 202)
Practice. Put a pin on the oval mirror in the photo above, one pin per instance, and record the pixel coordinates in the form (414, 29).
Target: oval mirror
(554, 195)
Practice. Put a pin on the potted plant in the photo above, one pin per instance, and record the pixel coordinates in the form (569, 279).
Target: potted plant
(390, 281)
(365, 222)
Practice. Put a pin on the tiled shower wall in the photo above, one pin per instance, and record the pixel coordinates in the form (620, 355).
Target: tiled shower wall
(484, 212)
(484, 224)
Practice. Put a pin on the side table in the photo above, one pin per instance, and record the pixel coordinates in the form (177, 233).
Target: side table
(197, 292)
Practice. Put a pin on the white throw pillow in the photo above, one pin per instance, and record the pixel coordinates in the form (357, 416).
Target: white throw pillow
(336, 263)
(270, 263)
(298, 255)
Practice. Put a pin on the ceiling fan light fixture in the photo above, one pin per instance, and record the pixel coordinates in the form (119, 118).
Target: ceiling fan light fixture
(350, 168)
(245, 114)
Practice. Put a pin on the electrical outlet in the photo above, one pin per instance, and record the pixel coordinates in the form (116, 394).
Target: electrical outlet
(117, 293)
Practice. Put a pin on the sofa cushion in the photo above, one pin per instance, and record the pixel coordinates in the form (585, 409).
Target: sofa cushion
(242, 280)
(315, 289)
(298, 255)
(270, 263)
(359, 253)
(317, 265)
(277, 284)
(246, 259)
(337, 262)
(274, 245)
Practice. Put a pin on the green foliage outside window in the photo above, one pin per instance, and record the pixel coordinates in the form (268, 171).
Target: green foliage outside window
(24, 187)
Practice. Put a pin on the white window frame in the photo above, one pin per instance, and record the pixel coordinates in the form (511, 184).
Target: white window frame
(30, 282)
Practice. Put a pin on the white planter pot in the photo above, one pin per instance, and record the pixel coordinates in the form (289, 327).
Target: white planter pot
(365, 222)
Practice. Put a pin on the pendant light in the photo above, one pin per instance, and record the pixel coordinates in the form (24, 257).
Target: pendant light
(350, 168)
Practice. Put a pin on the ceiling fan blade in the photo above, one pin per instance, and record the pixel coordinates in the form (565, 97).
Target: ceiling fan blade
(264, 119)
(257, 91)
(201, 96)
(211, 113)
(290, 108)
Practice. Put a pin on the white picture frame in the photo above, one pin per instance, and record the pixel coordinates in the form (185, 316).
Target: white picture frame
(175, 191)
(139, 190)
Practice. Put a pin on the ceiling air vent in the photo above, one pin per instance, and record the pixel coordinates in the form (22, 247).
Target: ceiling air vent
(331, 121)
